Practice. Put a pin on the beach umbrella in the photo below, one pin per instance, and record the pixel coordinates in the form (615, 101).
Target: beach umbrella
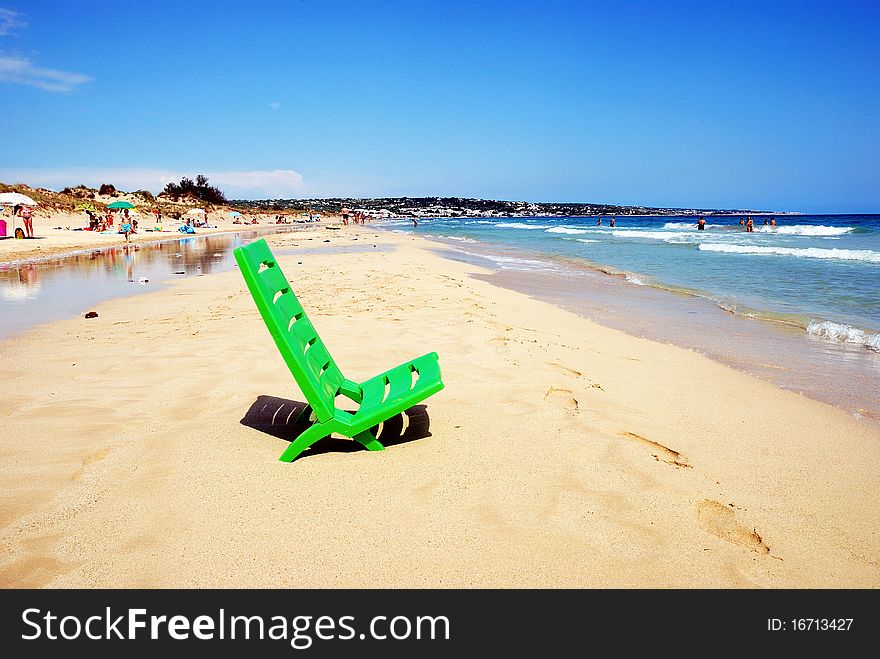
(120, 204)
(195, 211)
(86, 207)
(16, 199)
(234, 213)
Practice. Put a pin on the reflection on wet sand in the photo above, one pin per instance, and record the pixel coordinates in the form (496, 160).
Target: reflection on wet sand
(52, 288)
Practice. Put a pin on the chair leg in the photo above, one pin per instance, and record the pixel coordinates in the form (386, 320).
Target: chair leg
(370, 443)
(301, 443)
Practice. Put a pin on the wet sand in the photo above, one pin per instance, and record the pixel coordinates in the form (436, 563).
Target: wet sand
(844, 375)
(561, 453)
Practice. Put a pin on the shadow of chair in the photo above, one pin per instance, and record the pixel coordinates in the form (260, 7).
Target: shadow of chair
(279, 417)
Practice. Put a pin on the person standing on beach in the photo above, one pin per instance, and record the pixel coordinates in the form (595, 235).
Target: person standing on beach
(125, 226)
(27, 216)
(701, 224)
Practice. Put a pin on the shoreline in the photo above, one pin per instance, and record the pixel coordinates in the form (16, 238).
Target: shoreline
(608, 461)
(849, 400)
(788, 351)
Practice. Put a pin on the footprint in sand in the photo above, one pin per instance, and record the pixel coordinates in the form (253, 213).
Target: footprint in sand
(720, 520)
(500, 341)
(660, 452)
(91, 458)
(565, 370)
(562, 398)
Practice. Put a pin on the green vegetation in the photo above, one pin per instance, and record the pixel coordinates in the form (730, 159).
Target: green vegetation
(198, 189)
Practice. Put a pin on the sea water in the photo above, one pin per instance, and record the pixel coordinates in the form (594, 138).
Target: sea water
(796, 303)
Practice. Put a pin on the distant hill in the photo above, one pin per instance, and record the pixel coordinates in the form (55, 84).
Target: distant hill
(71, 197)
(465, 207)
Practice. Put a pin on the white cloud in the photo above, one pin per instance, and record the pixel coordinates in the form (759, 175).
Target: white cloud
(10, 21)
(273, 184)
(274, 105)
(257, 184)
(20, 70)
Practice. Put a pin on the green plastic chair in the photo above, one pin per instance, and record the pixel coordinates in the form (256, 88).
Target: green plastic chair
(314, 370)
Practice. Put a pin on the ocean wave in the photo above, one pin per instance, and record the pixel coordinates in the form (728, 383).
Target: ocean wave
(805, 230)
(633, 279)
(688, 226)
(587, 240)
(668, 236)
(865, 255)
(460, 239)
(844, 333)
(566, 230)
(513, 263)
(521, 225)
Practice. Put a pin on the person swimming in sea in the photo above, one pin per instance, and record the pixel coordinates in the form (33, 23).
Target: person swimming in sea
(599, 222)
(701, 224)
(612, 222)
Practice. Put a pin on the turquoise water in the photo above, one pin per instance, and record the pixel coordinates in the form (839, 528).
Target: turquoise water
(819, 272)
(795, 304)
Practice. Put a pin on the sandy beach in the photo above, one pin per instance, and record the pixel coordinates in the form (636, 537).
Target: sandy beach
(561, 453)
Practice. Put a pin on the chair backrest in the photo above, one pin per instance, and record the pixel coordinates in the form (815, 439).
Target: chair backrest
(299, 344)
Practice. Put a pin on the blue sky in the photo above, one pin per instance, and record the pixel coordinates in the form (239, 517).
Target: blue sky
(711, 104)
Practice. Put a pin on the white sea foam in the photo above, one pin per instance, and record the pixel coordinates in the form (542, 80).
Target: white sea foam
(567, 230)
(688, 226)
(512, 263)
(461, 239)
(804, 230)
(865, 255)
(587, 240)
(844, 333)
(521, 225)
(632, 279)
(668, 236)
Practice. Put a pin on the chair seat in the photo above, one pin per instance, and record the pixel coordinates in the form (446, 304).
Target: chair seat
(316, 372)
